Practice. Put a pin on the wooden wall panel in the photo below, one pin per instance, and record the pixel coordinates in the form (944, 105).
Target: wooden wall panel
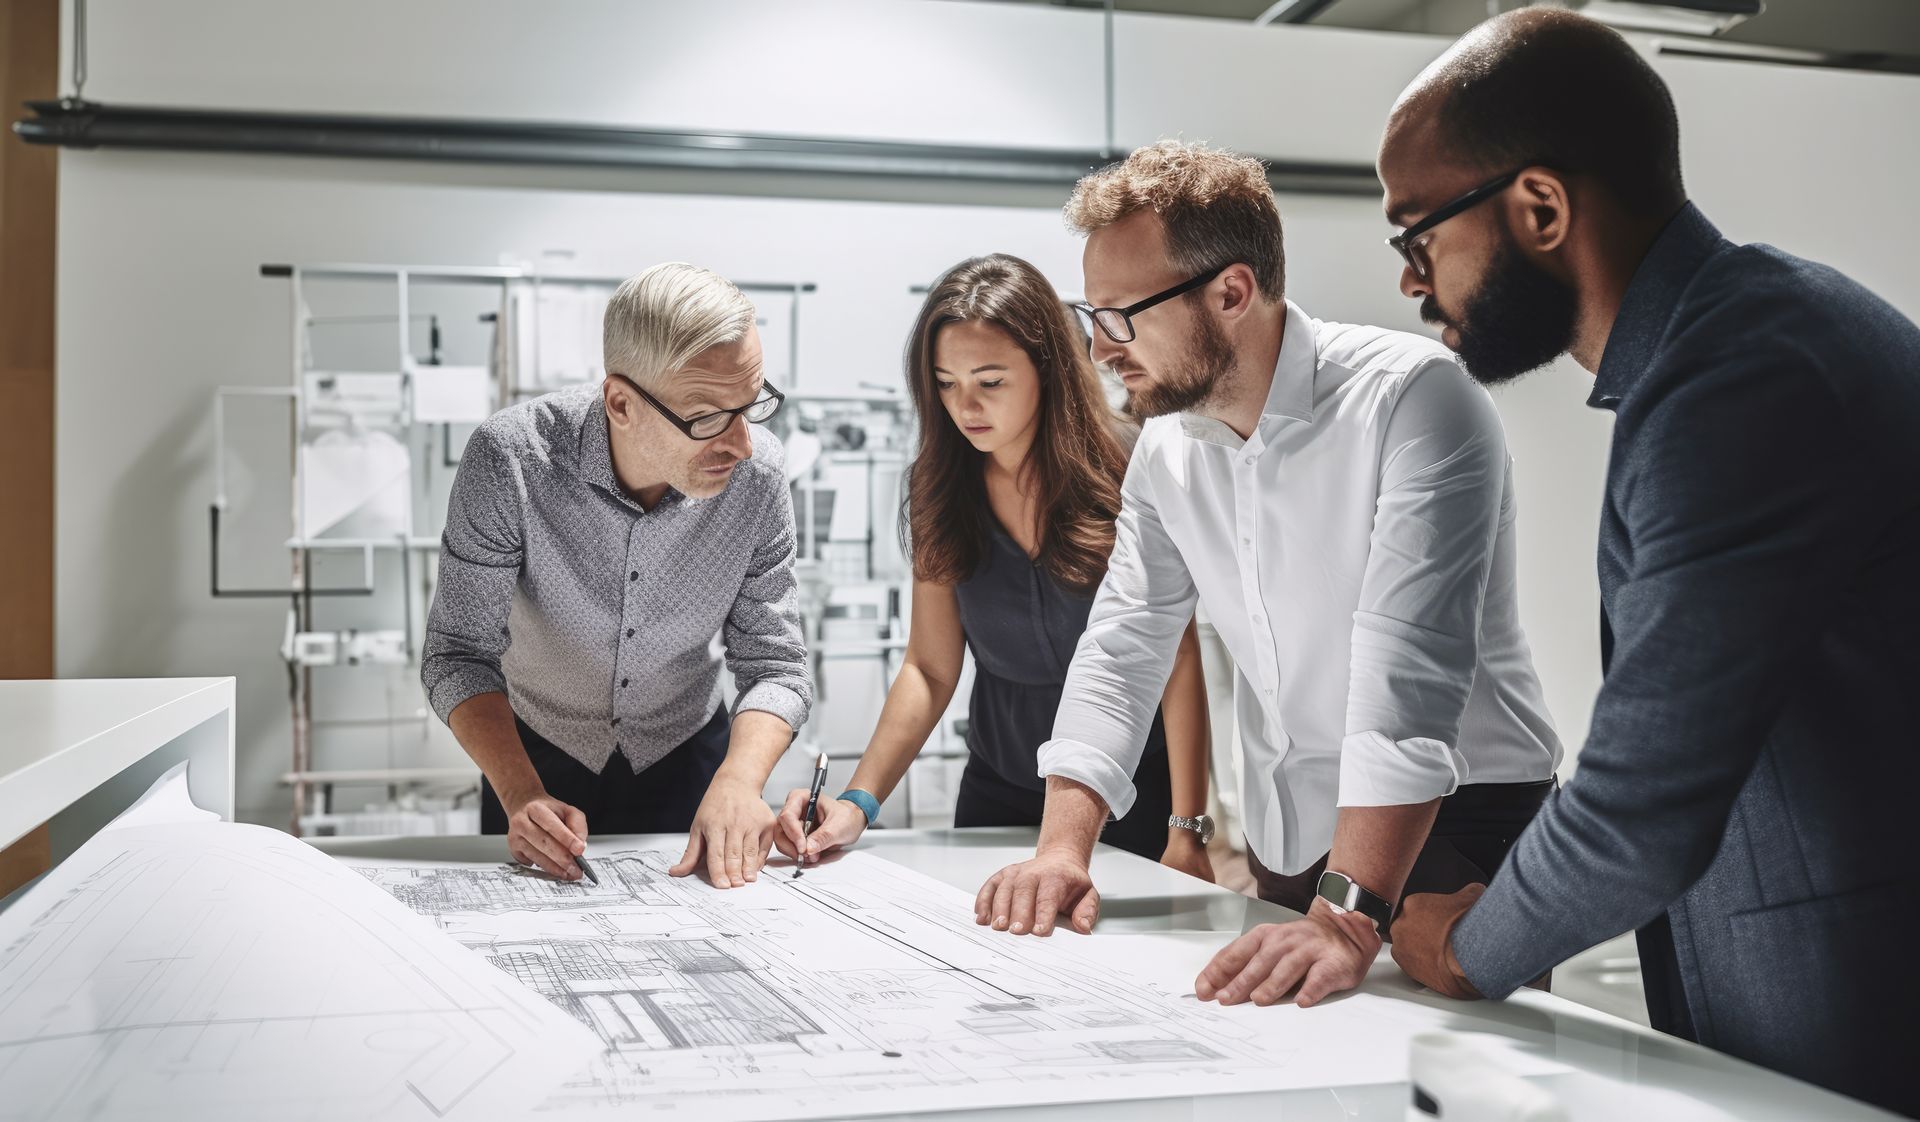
(29, 52)
(24, 860)
(29, 69)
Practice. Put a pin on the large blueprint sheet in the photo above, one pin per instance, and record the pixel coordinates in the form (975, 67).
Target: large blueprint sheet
(203, 971)
(865, 987)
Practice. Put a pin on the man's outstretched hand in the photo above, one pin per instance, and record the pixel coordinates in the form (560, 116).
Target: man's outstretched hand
(1030, 896)
(1322, 953)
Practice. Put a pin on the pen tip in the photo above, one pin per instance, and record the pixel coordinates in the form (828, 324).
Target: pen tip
(821, 762)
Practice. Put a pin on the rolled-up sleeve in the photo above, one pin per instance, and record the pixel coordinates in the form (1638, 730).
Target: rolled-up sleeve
(1444, 490)
(481, 552)
(766, 650)
(1125, 655)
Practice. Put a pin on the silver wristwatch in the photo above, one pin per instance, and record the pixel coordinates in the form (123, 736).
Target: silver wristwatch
(1202, 825)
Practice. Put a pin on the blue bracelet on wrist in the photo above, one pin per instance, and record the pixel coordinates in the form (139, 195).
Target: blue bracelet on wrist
(868, 805)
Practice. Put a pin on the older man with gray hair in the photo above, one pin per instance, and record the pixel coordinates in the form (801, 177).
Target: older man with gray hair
(597, 540)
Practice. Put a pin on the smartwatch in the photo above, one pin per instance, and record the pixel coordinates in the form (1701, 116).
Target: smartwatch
(1346, 895)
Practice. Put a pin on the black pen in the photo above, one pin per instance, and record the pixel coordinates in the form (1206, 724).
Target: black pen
(586, 868)
(813, 807)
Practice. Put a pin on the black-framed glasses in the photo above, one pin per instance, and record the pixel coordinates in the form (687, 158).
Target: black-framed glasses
(708, 426)
(1117, 323)
(1408, 244)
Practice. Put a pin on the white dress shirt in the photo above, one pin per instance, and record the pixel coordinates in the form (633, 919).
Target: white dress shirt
(1356, 554)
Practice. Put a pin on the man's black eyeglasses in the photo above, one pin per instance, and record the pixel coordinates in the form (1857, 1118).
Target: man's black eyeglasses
(1407, 242)
(707, 426)
(1117, 323)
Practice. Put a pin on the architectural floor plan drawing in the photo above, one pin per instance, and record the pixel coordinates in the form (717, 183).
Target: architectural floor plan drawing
(208, 971)
(861, 988)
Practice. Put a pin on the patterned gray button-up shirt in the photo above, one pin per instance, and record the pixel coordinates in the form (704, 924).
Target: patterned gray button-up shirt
(595, 617)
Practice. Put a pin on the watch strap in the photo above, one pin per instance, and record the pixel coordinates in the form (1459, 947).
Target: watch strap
(1200, 826)
(869, 806)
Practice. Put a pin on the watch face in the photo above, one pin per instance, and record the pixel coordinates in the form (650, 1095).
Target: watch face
(1206, 828)
(1334, 888)
(1346, 895)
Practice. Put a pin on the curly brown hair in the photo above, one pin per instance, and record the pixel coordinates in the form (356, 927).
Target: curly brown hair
(1077, 459)
(1217, 207)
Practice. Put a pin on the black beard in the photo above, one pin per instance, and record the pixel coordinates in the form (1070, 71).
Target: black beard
(1209, 356)
(1519, 319)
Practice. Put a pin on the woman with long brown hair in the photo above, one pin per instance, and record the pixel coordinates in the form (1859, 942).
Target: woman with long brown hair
(1011, 500)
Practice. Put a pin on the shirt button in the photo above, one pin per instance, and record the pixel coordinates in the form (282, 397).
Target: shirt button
(623, 683)
(1249, 461)
(635, 575)
(629, 632)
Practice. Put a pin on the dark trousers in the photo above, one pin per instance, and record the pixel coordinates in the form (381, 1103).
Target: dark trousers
(660, 799)
(989, 799)
(1475, 827)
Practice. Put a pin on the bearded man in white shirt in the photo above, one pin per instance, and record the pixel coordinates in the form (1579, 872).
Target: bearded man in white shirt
(1340, 499)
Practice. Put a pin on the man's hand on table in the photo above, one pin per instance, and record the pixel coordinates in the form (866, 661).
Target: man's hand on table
(732, 830)
(1423, 940)
(1030, 896)
(543, 831)
(1324, 953)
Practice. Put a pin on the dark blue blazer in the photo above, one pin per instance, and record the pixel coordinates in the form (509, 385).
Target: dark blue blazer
(1749, 794)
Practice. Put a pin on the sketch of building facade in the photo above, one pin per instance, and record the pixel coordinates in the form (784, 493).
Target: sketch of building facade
(657, 994)
(862, 987)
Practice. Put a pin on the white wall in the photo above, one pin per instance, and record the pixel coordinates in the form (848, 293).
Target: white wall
(872, 69)
(960, 73)
(160, 299)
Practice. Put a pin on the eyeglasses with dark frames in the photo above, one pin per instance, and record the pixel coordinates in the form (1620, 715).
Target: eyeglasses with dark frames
(708, 426)
(1408, 244)
(1117, 323)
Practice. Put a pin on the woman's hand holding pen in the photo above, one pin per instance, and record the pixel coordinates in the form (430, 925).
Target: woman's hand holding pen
(840, 824)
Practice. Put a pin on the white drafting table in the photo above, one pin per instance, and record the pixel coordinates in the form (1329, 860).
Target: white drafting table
(1607, 1054)
(75, 752)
